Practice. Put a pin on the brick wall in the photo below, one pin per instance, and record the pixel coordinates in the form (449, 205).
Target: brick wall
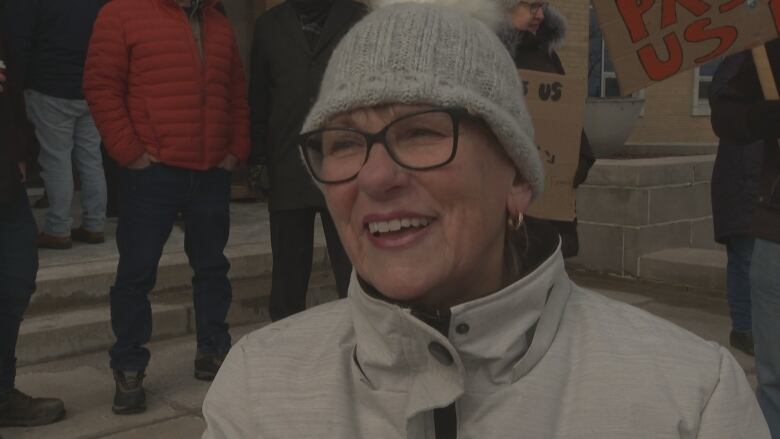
(574, 53)
(667, 118)
(668, 115)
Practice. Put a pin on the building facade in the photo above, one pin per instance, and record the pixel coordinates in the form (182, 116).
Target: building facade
(676, 112)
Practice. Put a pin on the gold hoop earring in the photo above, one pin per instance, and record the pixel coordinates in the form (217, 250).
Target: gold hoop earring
(514, 224)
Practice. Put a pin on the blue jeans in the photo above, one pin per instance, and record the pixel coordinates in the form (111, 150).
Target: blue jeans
(765, 284)
(67, 134)
(149, 202)
(18, 267)
(740, 252)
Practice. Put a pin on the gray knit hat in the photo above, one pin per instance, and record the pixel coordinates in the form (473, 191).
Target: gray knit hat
(435, 52)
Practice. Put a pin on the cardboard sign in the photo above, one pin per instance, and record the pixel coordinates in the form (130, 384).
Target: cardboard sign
(557, 105)
(652, 40)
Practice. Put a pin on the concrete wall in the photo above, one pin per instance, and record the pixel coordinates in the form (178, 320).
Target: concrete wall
(630, 208)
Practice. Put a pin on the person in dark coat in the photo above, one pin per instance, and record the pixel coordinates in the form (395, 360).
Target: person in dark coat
(292, 45)
(537, 30)
(741, 112)
(735, 180)
(18, 253)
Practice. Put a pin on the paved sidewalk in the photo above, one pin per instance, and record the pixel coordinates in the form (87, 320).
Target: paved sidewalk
(175, 397)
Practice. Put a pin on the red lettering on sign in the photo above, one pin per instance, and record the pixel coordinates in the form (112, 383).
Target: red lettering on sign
(669, 10)
(632, 12)
(728, 6)
(658, 69)
(774, 5)
(697, 32)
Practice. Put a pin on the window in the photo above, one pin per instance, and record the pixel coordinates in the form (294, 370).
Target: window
(702, 79)
(602, 79)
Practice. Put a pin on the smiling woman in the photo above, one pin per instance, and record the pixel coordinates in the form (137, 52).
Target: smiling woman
(460, 320)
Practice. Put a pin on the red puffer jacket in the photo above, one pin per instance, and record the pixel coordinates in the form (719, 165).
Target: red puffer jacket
(150, 91)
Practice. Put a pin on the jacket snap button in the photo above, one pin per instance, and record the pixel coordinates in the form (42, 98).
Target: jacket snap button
(462, 329)
(440, 353)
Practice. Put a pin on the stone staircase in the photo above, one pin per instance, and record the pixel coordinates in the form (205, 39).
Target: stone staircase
(651, 218)
(69, 313)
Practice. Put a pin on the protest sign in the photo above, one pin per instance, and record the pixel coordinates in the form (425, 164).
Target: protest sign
(557, 105)
(652, 40)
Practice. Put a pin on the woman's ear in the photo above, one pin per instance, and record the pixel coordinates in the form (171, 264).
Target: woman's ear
(520, 196)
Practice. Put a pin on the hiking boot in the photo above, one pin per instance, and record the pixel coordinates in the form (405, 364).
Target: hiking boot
(130, 397)
(54, 242)
(742, 341)
(207, 365)
(83, 235)
(20, 410)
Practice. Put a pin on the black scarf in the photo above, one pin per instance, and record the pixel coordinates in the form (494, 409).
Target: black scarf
(312, 15)
(194, 8)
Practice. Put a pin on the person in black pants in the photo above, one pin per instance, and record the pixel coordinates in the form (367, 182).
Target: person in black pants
(18, 254)
(291, 48)
(735, 192)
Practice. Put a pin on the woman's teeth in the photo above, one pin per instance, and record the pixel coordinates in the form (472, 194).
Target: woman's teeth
(396, 225)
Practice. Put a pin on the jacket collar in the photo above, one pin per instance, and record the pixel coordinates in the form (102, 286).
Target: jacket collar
(508, 333)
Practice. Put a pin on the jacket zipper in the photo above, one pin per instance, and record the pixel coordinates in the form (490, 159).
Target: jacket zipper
(201, 62)
(445, 419)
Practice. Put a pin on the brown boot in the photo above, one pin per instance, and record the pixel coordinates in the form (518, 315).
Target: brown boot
(54, 242)
(83, 235)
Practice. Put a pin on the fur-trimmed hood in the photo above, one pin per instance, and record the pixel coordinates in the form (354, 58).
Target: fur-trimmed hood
(551, 34)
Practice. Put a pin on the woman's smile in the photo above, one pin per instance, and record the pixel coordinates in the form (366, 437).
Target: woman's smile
(397, 230)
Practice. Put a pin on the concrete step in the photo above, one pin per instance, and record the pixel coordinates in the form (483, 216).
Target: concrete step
(82, 276)
(85, 283)
(700, 268)
(47, 336)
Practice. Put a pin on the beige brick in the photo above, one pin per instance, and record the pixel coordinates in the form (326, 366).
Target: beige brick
(612, 205)
(677, 203)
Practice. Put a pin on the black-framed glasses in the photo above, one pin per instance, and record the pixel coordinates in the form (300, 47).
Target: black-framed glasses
(534, 7)
(418, 141)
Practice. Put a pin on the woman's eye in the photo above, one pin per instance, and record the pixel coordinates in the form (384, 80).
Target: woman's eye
(342, 146)
(421, 133)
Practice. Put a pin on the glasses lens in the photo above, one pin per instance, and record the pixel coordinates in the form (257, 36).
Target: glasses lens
(335, 154)
(423, 140)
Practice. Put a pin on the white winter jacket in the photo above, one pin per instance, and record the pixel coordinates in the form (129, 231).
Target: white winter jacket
(542, 358)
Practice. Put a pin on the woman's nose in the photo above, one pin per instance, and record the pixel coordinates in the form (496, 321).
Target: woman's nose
(380, 173)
